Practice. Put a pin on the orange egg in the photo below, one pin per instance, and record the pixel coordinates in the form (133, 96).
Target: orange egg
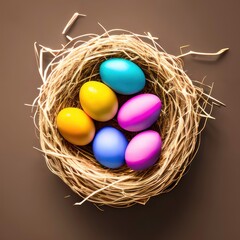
(75, 126)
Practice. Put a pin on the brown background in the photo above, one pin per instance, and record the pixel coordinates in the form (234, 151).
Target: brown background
(205, 204)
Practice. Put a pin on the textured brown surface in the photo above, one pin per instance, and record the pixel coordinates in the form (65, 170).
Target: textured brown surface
(205, 205)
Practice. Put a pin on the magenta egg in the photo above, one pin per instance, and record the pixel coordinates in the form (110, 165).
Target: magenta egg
(143, 150)
(139, 112)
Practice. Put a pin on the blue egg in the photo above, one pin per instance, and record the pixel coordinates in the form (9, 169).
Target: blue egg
(109, 146)
(122, 75)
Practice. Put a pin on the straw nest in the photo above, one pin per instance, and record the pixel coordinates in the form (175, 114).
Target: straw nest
(185, 102)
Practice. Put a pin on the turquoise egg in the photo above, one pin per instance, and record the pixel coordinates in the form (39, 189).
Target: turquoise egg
(122, 75)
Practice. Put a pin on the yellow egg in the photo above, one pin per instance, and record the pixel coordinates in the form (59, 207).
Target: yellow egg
(98, 101)
(75, 126)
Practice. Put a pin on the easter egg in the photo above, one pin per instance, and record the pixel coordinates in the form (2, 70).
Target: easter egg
(139, 112)
(98, 101)
(109, 147)
(122, 75)
(75, 126)
(143, 150)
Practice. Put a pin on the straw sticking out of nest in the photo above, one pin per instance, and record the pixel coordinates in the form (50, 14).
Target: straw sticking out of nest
(184, 104)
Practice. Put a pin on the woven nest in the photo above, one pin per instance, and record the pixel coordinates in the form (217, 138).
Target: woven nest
(184, 104)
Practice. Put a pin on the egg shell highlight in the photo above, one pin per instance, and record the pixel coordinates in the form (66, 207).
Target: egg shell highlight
(75, 126)
(139, 112)
(109, 146)
(143, 150)
(122, 75)
(98, 101)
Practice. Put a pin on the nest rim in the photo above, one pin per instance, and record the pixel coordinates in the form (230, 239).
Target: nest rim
(184, 104)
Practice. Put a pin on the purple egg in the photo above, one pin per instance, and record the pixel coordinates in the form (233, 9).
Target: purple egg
(139, 112)
(143, 150)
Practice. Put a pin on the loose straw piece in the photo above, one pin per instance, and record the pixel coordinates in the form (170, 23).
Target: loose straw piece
(221, 51)
(70, 23)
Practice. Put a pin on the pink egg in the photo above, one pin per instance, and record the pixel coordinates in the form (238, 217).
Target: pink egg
(139, 112)
(143, 150)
